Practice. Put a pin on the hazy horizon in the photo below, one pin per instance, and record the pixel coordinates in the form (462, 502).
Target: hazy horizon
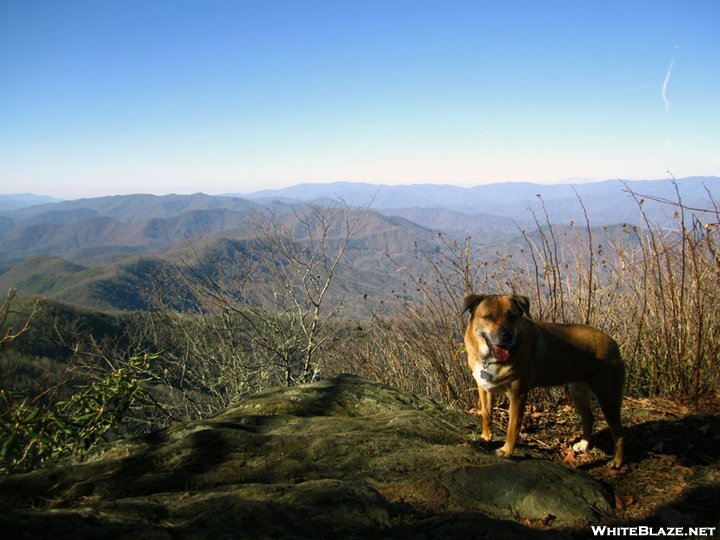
(564, 181)
(284, 185)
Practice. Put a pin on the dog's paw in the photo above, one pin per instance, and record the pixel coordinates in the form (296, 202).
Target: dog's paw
(581, 447)
(503, 452)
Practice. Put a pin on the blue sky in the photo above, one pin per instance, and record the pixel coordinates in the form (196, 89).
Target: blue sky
(110, 97)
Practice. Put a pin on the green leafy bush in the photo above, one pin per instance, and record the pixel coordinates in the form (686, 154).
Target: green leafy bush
(33, 431)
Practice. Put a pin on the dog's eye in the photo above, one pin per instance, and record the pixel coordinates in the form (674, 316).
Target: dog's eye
(488, 317)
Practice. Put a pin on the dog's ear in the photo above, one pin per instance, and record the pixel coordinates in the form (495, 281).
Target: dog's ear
(523, 302)
(472, 301)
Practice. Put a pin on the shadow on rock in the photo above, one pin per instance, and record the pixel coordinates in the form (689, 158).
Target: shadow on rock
(338, 458)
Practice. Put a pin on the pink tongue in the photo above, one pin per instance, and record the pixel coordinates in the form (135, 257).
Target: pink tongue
(501, 354)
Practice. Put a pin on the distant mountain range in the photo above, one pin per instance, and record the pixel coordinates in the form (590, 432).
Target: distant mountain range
(102, 251)
(23, 200)
(606, 202)
(107, 252)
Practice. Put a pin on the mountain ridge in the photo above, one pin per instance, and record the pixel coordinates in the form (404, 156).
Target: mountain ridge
(108, 243)
(16, 201)
(608, 201)
(611, 203)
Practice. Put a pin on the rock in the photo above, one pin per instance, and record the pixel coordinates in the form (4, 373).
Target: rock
(345, 457)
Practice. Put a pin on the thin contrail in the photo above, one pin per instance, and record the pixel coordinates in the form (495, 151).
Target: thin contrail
(666, 82)
(665, 85)
(640, 87)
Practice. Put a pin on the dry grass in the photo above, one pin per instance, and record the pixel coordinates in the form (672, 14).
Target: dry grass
(654, 289)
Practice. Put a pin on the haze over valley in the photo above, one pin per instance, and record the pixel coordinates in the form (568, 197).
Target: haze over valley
(101, 252)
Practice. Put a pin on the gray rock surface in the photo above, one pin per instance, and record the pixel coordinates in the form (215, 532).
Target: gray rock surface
(345, 457)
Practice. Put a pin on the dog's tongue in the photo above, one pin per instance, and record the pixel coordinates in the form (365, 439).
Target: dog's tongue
(502, 355)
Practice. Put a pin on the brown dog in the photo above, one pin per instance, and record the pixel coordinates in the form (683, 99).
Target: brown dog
(509, 353)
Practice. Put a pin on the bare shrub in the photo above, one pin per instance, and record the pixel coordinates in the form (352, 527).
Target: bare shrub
(415, 341)
(259, 311)
(654, 289)
(668, 324)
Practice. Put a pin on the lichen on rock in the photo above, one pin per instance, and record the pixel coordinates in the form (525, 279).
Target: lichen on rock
(344, 456)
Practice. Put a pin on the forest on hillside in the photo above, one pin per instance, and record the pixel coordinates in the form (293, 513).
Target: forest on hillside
(285, 307)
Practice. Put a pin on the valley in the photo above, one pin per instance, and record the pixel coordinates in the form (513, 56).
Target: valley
(102, 252)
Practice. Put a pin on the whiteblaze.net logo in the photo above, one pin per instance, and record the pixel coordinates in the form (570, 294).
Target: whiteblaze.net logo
(646, 530)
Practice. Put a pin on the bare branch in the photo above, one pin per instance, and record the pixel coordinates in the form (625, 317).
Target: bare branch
(11, 335)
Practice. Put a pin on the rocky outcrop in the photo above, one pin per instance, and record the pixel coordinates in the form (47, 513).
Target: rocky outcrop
(345, 457)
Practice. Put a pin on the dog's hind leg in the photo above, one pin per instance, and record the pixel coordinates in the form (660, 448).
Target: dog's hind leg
(610, 406)
(582, 396)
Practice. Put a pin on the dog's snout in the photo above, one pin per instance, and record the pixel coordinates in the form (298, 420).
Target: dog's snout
(507, 335)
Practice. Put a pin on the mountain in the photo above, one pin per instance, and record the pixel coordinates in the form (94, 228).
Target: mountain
(41, 274)
(487, 229)
(107, 229)
(23, 200)
(76, 252)
(131, 208)
(377, 196)
(90, 229)
(108, 252)
(109, 287)
(607, 202)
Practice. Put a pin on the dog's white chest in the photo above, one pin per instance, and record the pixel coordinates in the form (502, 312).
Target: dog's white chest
(488, 376)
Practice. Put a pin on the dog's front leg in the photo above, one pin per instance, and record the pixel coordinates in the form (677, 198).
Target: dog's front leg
(486, 409)
(517, 410)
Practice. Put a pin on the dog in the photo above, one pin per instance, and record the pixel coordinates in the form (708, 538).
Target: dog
(510, 353)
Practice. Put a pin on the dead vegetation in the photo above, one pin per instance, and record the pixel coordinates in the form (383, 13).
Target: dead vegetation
(655, 290)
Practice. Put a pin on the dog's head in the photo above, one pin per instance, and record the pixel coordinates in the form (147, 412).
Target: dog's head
(496, 320)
